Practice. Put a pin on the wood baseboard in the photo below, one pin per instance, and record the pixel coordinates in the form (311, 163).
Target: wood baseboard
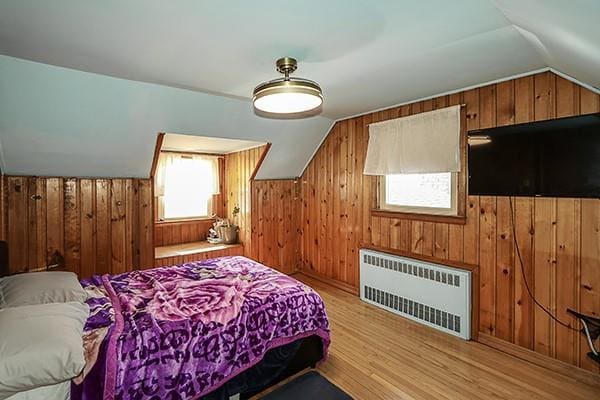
(340, 285)
(552, 364)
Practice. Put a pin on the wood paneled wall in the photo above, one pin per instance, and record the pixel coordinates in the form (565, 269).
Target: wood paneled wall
(269, 211)
(275, 220)
(239, 168)
(168, 233)
(559, 239)
(88, 226)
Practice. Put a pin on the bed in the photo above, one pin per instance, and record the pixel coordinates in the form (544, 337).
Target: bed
(209, 329)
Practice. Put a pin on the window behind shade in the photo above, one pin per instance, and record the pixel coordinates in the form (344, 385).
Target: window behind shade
(418, 160)
(434, 193)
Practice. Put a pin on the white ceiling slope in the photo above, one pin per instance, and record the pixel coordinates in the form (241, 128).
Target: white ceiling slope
(365, 54)
(61, 122)
(566, 34)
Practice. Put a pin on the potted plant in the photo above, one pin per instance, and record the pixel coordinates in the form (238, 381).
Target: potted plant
(228, 230)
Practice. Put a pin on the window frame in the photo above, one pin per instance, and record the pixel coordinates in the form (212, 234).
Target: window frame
(452, 211)
(461, 192)
(213, 202)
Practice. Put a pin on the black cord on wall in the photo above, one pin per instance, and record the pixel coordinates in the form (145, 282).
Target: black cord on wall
(541, 306)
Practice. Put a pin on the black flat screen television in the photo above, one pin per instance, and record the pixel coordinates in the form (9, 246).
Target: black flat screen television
(556, 158)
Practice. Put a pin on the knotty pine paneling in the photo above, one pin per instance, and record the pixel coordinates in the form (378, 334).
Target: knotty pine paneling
(239, 167)
(146, 223)
(269, 211)
(559, 239)
(169, 233)
(87, 226)
(275, 221)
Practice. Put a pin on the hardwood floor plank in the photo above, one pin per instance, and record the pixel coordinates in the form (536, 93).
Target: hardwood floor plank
(377, 355)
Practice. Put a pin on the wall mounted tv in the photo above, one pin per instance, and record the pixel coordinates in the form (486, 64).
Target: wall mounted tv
(555, 158)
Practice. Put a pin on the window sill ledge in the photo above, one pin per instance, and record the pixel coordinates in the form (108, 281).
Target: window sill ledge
(186, 249)
(183, 221)
(446, 219)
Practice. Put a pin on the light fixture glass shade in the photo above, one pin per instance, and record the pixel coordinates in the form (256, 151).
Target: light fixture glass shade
(287, 96)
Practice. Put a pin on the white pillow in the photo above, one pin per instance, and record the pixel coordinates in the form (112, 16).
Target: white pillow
(40, 288)
(40, 345)
(61, 391)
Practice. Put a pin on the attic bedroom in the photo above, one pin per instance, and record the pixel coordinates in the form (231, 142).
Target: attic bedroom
(328, 200)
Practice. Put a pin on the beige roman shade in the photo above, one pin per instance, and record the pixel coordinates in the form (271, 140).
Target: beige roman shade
(428, 142)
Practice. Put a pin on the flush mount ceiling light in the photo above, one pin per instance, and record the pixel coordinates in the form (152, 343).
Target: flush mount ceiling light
(287, 95)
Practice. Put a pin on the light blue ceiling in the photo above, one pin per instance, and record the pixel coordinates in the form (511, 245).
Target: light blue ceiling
(61, 122)
(189, 66)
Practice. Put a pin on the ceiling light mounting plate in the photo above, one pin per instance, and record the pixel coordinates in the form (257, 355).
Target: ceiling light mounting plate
(286, 65)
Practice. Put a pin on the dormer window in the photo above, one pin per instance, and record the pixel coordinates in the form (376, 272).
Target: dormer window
(185, 185)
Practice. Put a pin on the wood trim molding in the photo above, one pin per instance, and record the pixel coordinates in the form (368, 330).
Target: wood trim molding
(153, 202)
(552, 364)
(199, 153)
(296, 179)
(260, 161)
(157, 147)
(463, 175)
(3, 207)
(474, 269)
(340, 285)
(186, 221)
(448, 219)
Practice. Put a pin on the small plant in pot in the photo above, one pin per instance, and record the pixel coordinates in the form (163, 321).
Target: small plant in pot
(227, 230)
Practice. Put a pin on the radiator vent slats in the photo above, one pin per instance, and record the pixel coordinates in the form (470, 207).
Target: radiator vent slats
(421, 311)
(416, 270)
(433, 294)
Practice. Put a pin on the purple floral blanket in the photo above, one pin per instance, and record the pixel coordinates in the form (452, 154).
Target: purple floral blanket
(182, 331)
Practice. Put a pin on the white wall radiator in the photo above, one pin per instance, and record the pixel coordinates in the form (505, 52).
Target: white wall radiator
(432, 294)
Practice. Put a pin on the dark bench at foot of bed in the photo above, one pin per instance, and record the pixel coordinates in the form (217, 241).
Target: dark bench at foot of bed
(278, 364)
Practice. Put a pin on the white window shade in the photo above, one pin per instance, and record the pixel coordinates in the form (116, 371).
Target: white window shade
(423, 143)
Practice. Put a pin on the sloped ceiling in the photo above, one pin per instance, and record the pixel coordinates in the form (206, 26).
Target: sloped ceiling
(56, 121)
(565, 34)
(132, 69)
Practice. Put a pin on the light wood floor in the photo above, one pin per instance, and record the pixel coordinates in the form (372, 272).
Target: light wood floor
(377, 355)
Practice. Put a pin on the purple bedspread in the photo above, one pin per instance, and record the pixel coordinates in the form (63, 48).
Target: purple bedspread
(180, 332)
